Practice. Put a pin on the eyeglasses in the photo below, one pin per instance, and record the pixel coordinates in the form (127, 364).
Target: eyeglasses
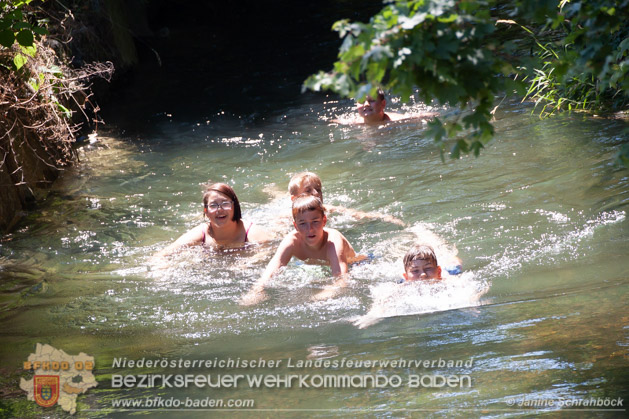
(226, 205)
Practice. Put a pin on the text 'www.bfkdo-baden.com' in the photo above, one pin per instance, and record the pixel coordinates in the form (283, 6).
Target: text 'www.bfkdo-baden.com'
(158, 402)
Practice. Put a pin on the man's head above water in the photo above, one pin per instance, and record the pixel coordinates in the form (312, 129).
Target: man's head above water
(372, 110)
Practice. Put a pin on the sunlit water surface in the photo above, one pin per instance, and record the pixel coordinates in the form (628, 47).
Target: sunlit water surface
(539, 220)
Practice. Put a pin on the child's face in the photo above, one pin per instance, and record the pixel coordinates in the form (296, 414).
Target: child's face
(308, 187)
(421, 269)
(216, 210)
(371, 108)
(309, 225)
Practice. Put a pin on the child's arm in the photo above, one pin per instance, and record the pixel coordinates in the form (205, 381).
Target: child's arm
(191, 238)
(359, 215)
(337, 256)
(281, 258)
(331, 290)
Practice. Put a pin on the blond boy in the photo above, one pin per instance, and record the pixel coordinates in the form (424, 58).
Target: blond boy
(311, 240)
(309, 183)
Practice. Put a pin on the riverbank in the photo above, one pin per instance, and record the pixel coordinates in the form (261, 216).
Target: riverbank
(47, 97)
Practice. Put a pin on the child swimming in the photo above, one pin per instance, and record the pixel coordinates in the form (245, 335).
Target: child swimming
(310, 240)
(421, 269)
(225, 227)
(309, 183)
(420, 263)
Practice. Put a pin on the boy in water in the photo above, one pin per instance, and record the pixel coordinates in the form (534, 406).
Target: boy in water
(372, 110)
(309, 183)
(420, 263)
(310, 240)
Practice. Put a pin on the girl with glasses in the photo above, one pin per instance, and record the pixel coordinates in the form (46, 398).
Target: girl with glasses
(225, 227)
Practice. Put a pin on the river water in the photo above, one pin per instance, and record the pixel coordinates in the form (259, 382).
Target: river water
(539, 314)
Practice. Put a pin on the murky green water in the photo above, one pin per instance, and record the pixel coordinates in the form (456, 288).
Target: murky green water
(539, 221)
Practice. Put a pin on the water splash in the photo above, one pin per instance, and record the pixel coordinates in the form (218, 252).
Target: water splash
(393, 299)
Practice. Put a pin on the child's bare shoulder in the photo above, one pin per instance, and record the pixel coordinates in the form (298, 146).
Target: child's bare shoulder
(335, 236)
(332, 232)
(291, 239)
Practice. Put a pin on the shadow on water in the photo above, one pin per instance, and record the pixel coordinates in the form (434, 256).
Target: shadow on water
(248, 60)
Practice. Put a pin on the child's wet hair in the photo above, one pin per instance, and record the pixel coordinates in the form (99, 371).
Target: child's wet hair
(305, 202)
(419, 251)
(225, 190)
(298, 179)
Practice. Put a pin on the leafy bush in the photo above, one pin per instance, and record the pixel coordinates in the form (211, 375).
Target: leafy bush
(15, 26)
(566, 55)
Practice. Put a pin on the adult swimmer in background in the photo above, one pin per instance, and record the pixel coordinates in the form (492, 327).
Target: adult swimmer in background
(372, 112)
(224, 229)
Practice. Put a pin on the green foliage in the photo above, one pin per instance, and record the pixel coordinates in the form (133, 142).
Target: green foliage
(442, 47)
(586, 68)
(564, 55)
(15, 26)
